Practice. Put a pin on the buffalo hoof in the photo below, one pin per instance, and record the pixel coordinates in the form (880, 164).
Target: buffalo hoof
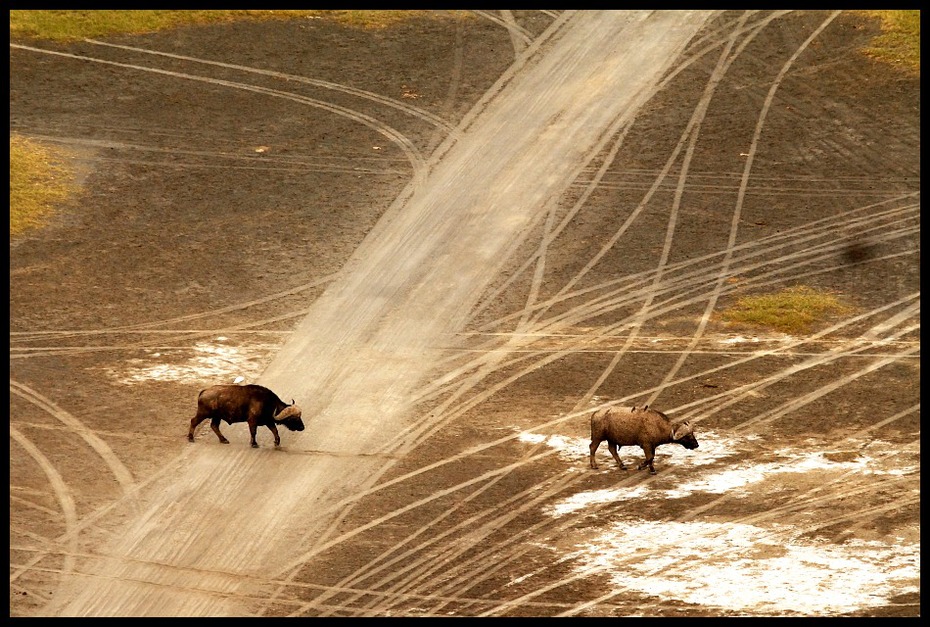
(190, 438)
(254, 445)
(224, 441)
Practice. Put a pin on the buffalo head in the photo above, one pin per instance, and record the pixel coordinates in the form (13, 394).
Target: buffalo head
(290, 418)
(684, 435)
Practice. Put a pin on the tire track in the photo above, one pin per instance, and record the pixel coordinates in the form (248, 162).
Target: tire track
(508, 551)
(692, 132)
(798, 504)
(215, 312)
(110, 459)
(713, 404)
(547, 356)
(296, 165)
(556, 421)
(734, 226)
(777, 412)
(492, 369)
(496, 524)
(744, 392)
(295, 601)
(62, 495)
(153, 325)
(693, 123)
(515, 546)
(417, 162)
(519, 36)
(455, 83)
(413, 111)
(603, 332)
(758, 191)
(757, 248)
(818, 393)
(620, 126)
(552, 33)
(605, 303)
(544, 358)
(508, 76)
(496, 556)
(177, 335)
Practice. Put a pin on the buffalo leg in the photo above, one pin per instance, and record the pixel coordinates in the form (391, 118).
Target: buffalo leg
(650, 455)
(253, 427)
(215, 425)
(593, 449)
(277, 438)
(196, 420)
(613, 451)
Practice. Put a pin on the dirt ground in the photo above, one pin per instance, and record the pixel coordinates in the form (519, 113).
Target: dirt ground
(228, 173)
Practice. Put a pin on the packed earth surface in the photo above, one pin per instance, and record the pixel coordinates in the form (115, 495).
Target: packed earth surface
(451, 240)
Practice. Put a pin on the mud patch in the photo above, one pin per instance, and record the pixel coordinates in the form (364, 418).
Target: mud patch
(752, 570)
(215, 360)
(759, 569)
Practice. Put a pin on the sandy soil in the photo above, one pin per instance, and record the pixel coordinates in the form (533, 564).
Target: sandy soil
(239, 180)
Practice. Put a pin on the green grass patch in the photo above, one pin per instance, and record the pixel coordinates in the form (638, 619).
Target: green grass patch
(794, 310)
(39, 181)
(77, 25)
(899, 43)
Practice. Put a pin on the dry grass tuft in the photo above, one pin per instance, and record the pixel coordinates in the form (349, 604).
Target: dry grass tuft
(794, 310)
(899, 43)
(39, 180)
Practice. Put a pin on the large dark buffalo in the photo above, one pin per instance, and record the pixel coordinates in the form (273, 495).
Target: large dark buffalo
(254, 404)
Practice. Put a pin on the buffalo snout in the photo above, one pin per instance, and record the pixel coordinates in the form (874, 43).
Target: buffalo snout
(294, 424)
